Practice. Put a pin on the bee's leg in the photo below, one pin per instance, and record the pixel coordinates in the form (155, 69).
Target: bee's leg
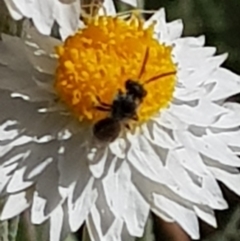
(102, 103)
(103, 108)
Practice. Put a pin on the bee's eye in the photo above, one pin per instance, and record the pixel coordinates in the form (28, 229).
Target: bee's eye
(129, 84)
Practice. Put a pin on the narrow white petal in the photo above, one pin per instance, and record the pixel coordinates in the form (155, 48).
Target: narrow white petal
(14, 11)
(37, 209)
(191, 190)
(230, 180)
(226, 84)
(17, 182)
(131, 2)
(204, 114)
(43, 15)
(186, 157)
(115, 231)
(15, 204)
(118, 148)
(160, 27)
(67, 16)
(189, 94)
(209, 146)
(191, 41)
(231, 138)
(231, 119)
(93, 224)
(97, 160)
(56, 223)
(206, 214)
(49, 179)
(108, 7)
(170, 120)
(125, 200)
(80, 206)
(144, 158)
(175, 29)
(183, 215)
(24, 6)
(39, 168)
(4, 178)
(161, 137)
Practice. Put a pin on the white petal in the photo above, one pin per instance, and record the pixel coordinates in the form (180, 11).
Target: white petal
(97, 160)
(70, 165)
(186, 157)
(124, 199)
(37, 210)
(14, 11)
(130, 2)
(49, 179)
(231, 118)
(160, 27)
(93, 224)
(189, 94)
(183, 215)
(231, 138)
(191, 191)
(229, 179)
(15, 204)
(114, 232)
(204, 114)
(191, 41)
(67, 16)
(42, 15)
(160, 136)
(210, 146)
(56, 223)
(39, 168)
(175, 29)
(144, 158)
(4, 178)
(108, 7)
(17, 182)
(80, 203)
(118, 148)
(170, 120)
(217, 201)
(206, 214)
(226, 84)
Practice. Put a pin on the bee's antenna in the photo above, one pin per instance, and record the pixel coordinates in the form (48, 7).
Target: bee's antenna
(160, 76)
(144, 63)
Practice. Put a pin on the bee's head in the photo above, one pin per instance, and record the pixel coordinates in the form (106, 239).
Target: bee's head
(135, 89)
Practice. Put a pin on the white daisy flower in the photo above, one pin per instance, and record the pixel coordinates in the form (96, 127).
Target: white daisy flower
(182, 138)
(44, 13)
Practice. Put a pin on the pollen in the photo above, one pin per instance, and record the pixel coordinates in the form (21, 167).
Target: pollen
(95, 63)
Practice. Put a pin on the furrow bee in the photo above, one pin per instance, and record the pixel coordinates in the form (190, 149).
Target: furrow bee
(124, 106)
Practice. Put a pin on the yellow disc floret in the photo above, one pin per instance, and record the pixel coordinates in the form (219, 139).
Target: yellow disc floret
(96, 62)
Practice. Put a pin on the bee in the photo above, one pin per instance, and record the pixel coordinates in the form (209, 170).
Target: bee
(124, 106)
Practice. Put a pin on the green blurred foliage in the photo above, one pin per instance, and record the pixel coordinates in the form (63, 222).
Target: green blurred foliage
(219, 20)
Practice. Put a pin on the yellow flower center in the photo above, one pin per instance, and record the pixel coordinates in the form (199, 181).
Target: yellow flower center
(96, 62)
